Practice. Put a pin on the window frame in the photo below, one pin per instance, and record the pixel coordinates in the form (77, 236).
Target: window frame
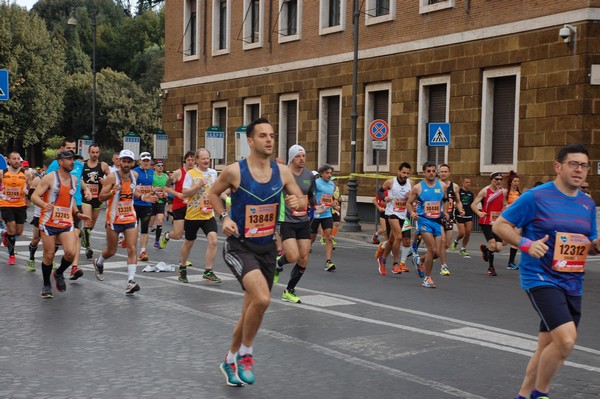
(323, 124)
(372, 19)
(425, 7)
(423, 117)
(487, 119)
(186, 39)
(247, 25)
(282, 25)
(187, 138)
(324, 28)
(283, 115)
(368, 161)
(247, 103)
(220, 105)
(216, 28)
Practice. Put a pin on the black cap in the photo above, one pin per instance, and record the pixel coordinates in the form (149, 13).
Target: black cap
(65, 154)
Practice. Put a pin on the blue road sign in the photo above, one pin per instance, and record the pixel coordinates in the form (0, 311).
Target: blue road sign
(4, 85)
(3, 164)
(438, 135)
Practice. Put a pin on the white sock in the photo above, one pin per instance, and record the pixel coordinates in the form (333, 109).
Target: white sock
(404, 253)
(100, 260)
(230, 358)
(245, 350)
(131, 272)
(167, 236)
(143, 250)
(383, 245)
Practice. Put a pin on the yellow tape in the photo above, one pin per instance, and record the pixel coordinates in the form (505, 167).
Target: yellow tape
(372, 176)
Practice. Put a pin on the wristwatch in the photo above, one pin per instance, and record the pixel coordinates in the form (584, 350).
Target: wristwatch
(223, 215)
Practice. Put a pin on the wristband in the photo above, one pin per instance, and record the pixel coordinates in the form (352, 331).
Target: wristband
(525, 244)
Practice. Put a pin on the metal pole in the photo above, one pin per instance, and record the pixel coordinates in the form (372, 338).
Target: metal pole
(351, 218)
(94, 76)
(376, 188)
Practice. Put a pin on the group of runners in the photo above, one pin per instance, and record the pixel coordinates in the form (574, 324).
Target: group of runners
(540, 223)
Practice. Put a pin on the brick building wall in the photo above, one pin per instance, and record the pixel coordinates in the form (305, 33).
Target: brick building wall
(557, 103)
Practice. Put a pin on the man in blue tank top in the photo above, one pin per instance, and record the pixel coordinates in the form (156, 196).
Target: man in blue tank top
(557, 223)
(431, 198)
(256, 185)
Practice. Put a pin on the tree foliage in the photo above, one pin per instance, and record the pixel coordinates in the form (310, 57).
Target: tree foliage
(36, 64)
(129, 65)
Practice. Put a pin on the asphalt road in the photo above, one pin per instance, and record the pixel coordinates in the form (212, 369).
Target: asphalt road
(356, 334)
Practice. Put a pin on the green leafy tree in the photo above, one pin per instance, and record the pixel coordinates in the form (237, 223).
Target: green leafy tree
(36, 66)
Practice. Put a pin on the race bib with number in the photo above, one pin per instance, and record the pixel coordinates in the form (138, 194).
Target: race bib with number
(570, 252)
(145, 189)
(205, 204)
(327, 200)
(399, 205)
(62, 215)
(432, 209)
(125, 212)
(94, 189)
(260, 220)
(13, 193)
(494, 216)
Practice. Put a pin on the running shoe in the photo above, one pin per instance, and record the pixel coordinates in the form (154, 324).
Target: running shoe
(210, 277)
(153, 229)
(156, 245)
(428, 282)
(419, 268)
(333, 241)
(182, 274)
(445, 271)
(491, 271)
(512, 266)
(12, 260)
(98, 270)
(244, 365)
(143, 256)
(374, 239)
(379, 252)
(89, 253)
(61, 286)
(124, 243)
(278, 269)
(403, 267)
(75, 273)
(322, 241)
(484, 252)
(46, 291)
(31, 265)
(329, 266)
(396, 269)
(381, 266)
(415, 248)
(464, 253)
(228, 370)
(163, 241)
(290, 296)
(454, 244)
(132, 287)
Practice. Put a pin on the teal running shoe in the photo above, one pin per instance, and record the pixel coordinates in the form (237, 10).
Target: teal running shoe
(244, 366)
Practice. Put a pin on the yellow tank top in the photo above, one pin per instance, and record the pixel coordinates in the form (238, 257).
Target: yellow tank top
(198, 206)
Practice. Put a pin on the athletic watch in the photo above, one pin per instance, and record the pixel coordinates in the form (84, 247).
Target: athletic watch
(223, 215)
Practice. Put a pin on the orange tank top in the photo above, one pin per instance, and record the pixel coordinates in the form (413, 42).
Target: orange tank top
(119, 208)
(61, 196)
(15, 187)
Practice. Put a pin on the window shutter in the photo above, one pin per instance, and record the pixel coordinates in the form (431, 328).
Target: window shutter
(333, 129)
(292, 117)
(437, 114)
(380, 111)
(503, 128)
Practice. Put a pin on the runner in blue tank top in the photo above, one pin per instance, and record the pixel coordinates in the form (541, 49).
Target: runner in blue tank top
(256, 185)
(558, 222)
(431, 208)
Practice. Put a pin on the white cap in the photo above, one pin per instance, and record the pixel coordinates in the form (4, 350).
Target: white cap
(145, 155)
(126, 154)
(293, 151)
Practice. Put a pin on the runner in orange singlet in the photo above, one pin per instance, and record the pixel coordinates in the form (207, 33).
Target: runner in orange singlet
(54, 195)
(13, 201)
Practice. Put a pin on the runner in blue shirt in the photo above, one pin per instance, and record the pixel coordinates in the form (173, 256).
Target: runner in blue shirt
(558, 222)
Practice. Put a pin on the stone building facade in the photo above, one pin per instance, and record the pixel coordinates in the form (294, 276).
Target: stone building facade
(512, 89)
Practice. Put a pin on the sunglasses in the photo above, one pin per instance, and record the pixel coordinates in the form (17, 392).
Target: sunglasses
(585, 187)
(498, 178)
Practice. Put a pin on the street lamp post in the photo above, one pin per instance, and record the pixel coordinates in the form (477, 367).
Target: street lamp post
(351, 218)
(73, 21)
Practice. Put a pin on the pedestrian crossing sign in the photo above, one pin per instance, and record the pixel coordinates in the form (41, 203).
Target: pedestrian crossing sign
(438, 135)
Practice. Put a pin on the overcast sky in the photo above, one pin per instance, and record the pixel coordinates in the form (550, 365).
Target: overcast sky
(26, 3)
